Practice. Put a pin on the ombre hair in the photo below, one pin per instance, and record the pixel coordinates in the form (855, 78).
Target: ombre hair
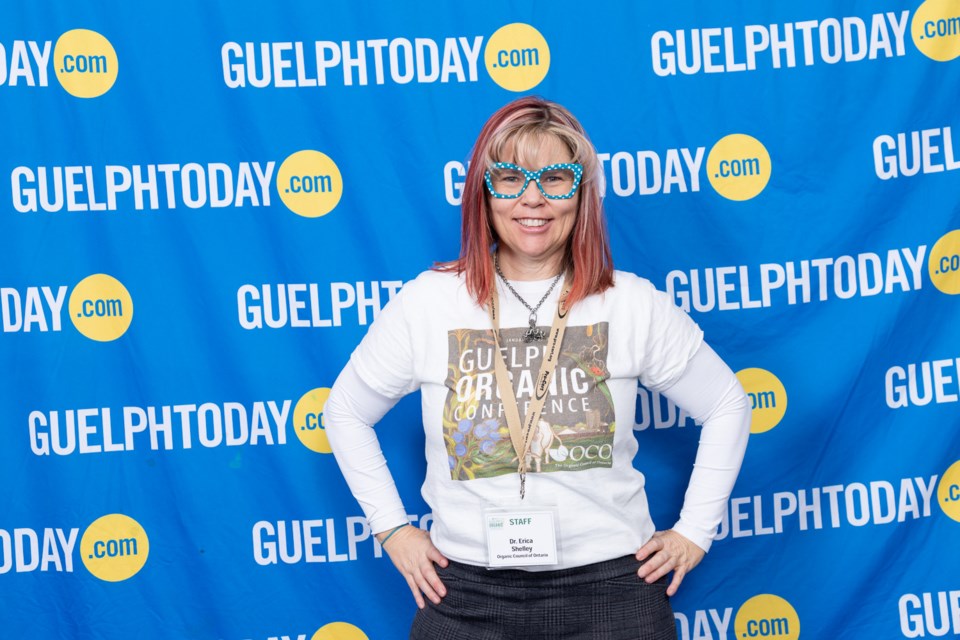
(519, 129)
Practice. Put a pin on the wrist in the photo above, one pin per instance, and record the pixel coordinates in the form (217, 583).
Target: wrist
(383, 536)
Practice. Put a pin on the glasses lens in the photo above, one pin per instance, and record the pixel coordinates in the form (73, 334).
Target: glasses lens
(557, 182)
(508, 182)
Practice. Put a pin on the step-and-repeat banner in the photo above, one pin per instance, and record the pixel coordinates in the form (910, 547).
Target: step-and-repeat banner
(203, 206)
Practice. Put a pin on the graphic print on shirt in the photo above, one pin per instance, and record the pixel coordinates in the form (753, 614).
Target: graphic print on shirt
(575, 430)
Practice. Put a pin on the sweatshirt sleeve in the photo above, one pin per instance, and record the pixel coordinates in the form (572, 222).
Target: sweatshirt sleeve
(710, 392)
(350, 412)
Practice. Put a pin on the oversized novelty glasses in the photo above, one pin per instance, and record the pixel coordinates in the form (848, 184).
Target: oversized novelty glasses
(555, 181)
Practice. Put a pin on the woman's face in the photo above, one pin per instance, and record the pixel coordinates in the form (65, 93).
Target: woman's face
(533, 230)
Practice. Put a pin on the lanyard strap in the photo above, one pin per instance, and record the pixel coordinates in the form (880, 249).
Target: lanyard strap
(522, 436)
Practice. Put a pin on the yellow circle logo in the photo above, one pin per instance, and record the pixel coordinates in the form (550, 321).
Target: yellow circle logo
(936, 29)
(517, 57)
(100, 307)
(310, 184)
(85, 63)
(114, 547)
(944, 263)
(308, 422)
(339, 631)
(767, 616)
(768, 398)
(948, 493)
(738, 167)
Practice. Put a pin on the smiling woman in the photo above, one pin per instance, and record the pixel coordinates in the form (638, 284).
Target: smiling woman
(527, 471)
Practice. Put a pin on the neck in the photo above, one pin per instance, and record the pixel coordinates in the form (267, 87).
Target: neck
(523, 268)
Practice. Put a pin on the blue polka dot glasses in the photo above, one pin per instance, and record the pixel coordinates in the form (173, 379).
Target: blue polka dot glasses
(555, 181)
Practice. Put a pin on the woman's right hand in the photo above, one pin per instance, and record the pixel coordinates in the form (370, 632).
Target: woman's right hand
(414, 555)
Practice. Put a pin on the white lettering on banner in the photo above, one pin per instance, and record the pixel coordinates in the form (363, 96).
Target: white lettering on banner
(856, 504)
(25, 550)
(707, 624)
(646, 172)
(179, 426)
(154, 186)
(296, 541)
(936, 614)
(36, 309)
(25, 62)
(626, 173)
(937, 381)
(736, 287)
(399, 61)
(454, 176)
(299, 305)
(658, 410)
(733, 49)
(926, 151)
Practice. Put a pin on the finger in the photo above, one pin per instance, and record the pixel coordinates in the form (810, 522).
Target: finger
(652, 546)
(415, 591)
(653, 563)
(424, 584)
(434, 554)
(430, 575)
(660, 570)
(675, 583)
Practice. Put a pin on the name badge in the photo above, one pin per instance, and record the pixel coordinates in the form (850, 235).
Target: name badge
(517, 538)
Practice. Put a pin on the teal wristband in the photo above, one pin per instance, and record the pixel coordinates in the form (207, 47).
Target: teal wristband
(393, 531)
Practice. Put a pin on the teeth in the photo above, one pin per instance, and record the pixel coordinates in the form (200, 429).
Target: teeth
(532, 222)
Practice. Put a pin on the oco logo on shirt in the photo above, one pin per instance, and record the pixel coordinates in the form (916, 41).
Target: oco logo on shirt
(101, 307)
(339, 631)
(948, 492)
(114, 547)
(944, 263)
(308, 422)
(517, 57)
(85, 63)
(738, 167)
(309, 183)
(936, 29)
(768, 398)
(767, 616)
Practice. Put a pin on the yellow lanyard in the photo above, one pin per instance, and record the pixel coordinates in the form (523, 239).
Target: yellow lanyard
(522, 437)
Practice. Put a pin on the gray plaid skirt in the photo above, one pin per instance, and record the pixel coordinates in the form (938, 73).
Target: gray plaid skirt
(603, 601)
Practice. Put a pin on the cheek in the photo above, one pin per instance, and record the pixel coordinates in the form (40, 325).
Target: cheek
(496, 218)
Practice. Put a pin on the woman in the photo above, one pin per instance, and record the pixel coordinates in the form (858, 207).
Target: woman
(527, 351)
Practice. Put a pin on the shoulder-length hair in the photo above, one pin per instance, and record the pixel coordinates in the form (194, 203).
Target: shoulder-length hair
(519, 128)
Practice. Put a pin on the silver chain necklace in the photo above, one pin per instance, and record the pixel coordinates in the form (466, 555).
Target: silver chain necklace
(532, 334)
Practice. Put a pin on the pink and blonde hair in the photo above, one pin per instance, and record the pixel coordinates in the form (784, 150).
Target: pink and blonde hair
(518, 129)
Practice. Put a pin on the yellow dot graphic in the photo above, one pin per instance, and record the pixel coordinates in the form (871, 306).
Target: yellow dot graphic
(310, 183)
(767, 616)
(738, 167)
(101, 307)
(308, 421)
(114, 547)
(944, 263)
(85, 63)
(948, 492)
(517, 57)
(935, 29)
(768, 398)
(339, 631)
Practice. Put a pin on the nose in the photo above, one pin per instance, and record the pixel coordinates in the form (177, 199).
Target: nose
(531, 196)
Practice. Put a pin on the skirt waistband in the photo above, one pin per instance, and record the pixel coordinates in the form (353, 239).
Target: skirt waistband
(590, 573)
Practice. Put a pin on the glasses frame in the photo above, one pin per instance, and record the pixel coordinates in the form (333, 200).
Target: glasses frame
(576, 167)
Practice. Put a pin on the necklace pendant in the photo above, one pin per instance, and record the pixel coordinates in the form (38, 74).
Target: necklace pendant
(533, 334)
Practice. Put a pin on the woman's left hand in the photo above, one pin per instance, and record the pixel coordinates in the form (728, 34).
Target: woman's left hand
(668, 551)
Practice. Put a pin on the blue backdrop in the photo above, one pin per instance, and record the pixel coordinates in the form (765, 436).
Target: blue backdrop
(206, 205)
